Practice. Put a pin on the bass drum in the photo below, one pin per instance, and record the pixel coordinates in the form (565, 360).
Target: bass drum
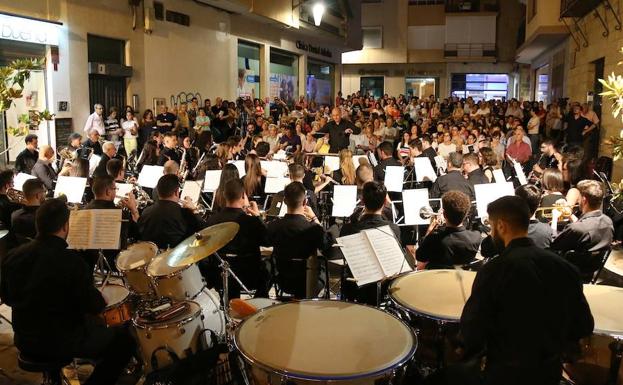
(213, 316)
(133, 262)
(324, 341)
(178, 283)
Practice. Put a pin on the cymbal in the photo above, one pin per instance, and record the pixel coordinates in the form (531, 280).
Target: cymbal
(202, 244)
(3, 233)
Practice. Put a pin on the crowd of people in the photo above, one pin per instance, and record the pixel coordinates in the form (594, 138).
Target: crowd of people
(556, 216)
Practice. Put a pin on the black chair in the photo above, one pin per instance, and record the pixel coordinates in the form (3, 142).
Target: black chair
(50, 369)
(589, 263)
(299, 276)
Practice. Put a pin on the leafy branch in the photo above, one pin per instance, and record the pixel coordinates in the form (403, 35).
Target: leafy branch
(613, 90)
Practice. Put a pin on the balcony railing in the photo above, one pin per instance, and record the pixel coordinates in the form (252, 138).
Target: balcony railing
(470, 50)
(577, 8)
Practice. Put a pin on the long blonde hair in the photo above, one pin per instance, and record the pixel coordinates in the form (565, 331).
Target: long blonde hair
(347, 167)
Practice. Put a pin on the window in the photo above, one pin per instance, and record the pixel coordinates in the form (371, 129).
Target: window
(421, 87)
(105, 50)
(372, 85)
(284, 67)
(541, 92)
(372, 37)
(480, 86)
(319, 82)
(248, 70)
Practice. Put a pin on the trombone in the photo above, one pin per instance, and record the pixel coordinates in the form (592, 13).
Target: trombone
(566, 211)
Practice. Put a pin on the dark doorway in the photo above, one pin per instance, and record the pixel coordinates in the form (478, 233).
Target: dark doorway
(598, 87)
(108, 91)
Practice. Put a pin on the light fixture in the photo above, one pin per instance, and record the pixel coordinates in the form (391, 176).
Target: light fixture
(318, 11)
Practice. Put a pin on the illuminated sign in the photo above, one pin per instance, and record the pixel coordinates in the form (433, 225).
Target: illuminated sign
(27, 30)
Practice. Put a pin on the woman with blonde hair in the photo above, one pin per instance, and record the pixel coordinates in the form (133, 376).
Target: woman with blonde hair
(346, 173)
(255, 179)
(223, 154)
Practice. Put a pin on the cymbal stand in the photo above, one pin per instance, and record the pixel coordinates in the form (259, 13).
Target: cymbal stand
(103, 266)
(226, 272)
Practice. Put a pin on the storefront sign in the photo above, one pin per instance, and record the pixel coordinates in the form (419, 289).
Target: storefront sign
(27, 30)
(313, 49)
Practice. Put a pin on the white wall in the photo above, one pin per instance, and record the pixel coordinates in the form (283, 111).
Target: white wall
(471, 29)
(427, 36)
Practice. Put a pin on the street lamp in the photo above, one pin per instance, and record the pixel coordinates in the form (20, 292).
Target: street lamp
(318, 11)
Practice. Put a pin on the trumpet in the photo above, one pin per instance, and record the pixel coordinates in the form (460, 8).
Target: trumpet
(565, 211)
(16, 196)
(427, 212)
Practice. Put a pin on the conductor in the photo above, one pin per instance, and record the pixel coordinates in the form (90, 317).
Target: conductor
(339, 131)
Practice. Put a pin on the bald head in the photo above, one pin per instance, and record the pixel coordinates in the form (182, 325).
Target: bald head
(336, 115)
(46, 152)
(171, 167)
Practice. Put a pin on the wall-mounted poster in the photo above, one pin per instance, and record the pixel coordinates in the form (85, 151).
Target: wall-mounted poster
(284, 87)
(157, 103)
(318, 90)
(248, 83)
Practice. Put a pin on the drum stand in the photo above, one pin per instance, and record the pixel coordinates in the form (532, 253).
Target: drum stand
(226, 271)
(616, 351)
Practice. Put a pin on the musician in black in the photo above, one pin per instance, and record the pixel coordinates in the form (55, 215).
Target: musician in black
(525, 308)
(550, 157)
(109, 152)
(339, 131)
(7, 206)
(471, 168)
(451, 244)
(363, 175)
(93, 142)
(28, 157)
(243, 252)
(453, 180)
(166, 223)
(298, 235)
(55, 303)
(297, 174)
(427, 150)
(23, 220)
(385, 152)
(374, 196)
(170, 151)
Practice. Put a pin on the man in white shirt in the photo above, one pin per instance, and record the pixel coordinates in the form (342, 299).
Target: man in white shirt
(95, 121)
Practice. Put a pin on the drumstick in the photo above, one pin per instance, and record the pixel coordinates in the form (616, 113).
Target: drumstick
(459, 277)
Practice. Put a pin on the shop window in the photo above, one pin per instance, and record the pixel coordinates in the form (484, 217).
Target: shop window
(319, 82)
(372, 85)
(480, 86)
(248, 70)
(284, 75)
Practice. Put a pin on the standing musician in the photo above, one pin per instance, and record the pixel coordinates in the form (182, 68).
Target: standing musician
(54, 302)
(109, 152)
(339, 131)
(166, 223)
(7, 206)
(28, 157)
(525, 308)
(449, 245)
(169, 151)
(471, 168)
(43, 168)
(453, 180)
(23, 220)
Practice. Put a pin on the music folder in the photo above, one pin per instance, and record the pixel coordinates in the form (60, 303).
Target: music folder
(94, 229)
(20, 179)
(488, 192)
(373, 255)
(150, 175)
(70, 186)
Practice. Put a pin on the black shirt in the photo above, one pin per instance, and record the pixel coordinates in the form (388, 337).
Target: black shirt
(453, 180)
(526, 306)
(166, 224)
(449, 246)
(46, 174)
(250, 237)
(167, 117)
(339, 140)
(23, 223)
(293, 236)
(379, 169)
(431, 154)
(50, 290)
(167, 154)
(575, 128)
(25, 160)
(593, 231)
(95, 146)
(7, 208)
(369, 221)
(477, 177)
(100, 169)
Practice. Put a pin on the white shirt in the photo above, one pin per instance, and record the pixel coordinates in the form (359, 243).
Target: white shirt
(445, 149)
(96, 122)
(127, 126)
(533, 125)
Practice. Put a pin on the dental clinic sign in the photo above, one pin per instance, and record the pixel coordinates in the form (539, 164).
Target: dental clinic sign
(28, 30)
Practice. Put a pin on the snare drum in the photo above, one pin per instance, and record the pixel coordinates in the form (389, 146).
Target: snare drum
(181, 334)
(133, 261)
(118, 310)
(319, 340)
(180, 283)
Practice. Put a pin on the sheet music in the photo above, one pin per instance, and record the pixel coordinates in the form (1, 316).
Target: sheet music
(240, 166)
(488, 192)
(150, 175)
(20, 179)
(424, 169)
(94, 160)
(413, 201)
(283, 209)
(344, 200)
(70, 186)
(280, 155)
(520, 175)
(211, 181)
(332, 162)
(275, 169)
(122, 190)
(372, 159)
(94, 229)
(394, 178)
(441, 163)
(192, 189)
(499, 176)
(275, 185)
(361, 259)
(387, 251)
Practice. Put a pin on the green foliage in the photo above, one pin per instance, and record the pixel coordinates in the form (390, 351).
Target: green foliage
(13, 77)
(613, 90)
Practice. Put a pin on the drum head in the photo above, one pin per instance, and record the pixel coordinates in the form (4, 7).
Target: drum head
(136, 255)
(433, 293)
(114, 294)
(158, 266)
(325, 340)
(607, 314)
(258, 303)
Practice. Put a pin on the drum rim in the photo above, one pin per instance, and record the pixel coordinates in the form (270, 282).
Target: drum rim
(123, 301)
(408, 308)
(164, 325)
(142, 267)
(288, 374)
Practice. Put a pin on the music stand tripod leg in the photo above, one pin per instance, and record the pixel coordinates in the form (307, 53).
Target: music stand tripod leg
(616, 354)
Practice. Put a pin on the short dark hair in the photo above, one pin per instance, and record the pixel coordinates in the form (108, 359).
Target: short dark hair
(101, 184)
(511, 209)
(296, 171)
(170, 134)
(113, 167)
(6, 176)
(593, 191)
(425, 138)
(30, 138)
(167, 185)
(552, 180)
(456, 206)
(386, 148)
(73, 136)
(32, 187)
(51, 216)
(262, 149)
(233, 190)
(373, 195)
(455, 159)
(471, 158)
(294, 195)
(531, 194)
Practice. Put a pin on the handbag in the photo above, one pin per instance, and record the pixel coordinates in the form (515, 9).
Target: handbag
(200, 368)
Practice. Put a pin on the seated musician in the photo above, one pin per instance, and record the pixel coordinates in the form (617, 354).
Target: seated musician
(109, 151)
(553, 187)
(244, 249)
(427, 150)
(169, 151)
(93, 142)
(453, 180)
(166, 223)
(471, 168)
(298, 235)
(115, 169)
(449, 245)
(374, 196)
(55, 303)
(593, 231)
(297, 174)
(43, 168)
(363, 175)
(550, 157)
(23, 220)
(7, 206)
(385, 152)
(521, 331)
